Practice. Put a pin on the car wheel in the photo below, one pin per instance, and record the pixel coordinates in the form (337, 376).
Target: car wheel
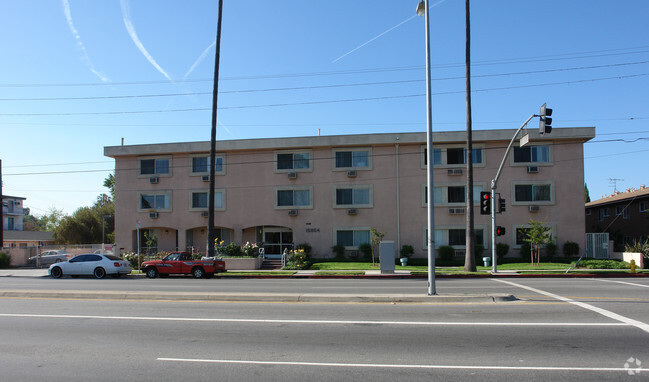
(151, 272)
(57, 273)
(99, 273)
(198, 272)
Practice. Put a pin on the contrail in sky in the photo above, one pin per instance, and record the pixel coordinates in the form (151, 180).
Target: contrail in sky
(77, 36)
(199, 60)
(126, 15)
(384, 33)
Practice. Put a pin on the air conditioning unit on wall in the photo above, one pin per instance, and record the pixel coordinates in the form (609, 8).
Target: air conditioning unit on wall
(292, 212)
(454, 171)
(292, 175)
(205, 178)
(153, 180)
(456, 211)
(352, 211)
(153, 215)
(532, 169)
(205, 214)
(534, 208)
(351, 174)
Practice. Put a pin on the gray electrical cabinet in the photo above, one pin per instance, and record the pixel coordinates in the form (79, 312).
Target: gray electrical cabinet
(387, 257)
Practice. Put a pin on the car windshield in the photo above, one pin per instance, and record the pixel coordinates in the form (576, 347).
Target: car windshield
(173, 257)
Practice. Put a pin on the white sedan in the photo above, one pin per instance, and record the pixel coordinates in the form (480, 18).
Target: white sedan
(92, 264)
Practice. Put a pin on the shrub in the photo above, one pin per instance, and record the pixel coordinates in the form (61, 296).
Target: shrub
(570, 248)
(551, 250)
(501, 251)
(603, 264)
(477, 251)
(407, 250)
(250, 250)
(339, 250)
(297, 259)
(232, 250)
(131, 257)
(306, 247)
(446, 252)
(366, 249)
(5, 259)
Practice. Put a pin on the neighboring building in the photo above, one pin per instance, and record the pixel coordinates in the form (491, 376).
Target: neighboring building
(329, 190)
(624, 215)
(12, 213)
(21, 239)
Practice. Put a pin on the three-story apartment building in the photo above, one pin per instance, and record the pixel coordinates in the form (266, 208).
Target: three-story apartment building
(330, 190)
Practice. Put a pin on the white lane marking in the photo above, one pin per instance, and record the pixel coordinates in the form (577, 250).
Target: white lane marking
(623, 282)
(603, 312)
(400, 366)
(316, 322)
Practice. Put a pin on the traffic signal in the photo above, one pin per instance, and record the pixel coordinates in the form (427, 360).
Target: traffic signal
(545, 121)
(501, 205)
(500, 231)
(485, 203)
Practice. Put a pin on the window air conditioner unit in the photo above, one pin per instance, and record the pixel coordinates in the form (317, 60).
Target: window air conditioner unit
(292, 175)
(532, 169)
(292, 212)
(454, 171)
(153, 215)
(153, 180)
(456, 211)
(205, 214)
(351, 174)
(534, 208)
(352, 211)
(205, 178)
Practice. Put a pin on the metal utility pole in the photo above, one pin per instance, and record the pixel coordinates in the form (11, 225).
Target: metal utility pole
(211, 236)
(469, 258)
(422, 10)
(2, 216)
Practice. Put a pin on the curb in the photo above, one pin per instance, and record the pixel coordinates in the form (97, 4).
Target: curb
(260, 297)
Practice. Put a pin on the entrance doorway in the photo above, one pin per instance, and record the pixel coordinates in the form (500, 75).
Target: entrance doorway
(276, 240)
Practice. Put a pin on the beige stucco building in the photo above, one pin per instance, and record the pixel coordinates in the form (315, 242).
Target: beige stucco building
(328, 190)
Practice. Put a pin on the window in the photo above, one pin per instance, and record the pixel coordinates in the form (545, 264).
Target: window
(154, 166)
(454, 156)
(200, 164)
(357, 196)
(603, 213)
(199, 200)
(643, 206)
(352, 159)
(455, 237)
(154, 202)
(456, 194)
(298, 197)
(451, 194)
(622, 210)
(533, 193)
(293, 161)
(353, 237)
(521, 235)
(532, 154)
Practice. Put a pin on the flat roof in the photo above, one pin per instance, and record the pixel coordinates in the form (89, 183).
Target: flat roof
(583, 134)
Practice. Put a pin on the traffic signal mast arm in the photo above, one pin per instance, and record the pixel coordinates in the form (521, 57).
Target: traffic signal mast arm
(494, 185)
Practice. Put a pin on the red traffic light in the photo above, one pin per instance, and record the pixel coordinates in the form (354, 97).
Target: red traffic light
(500, 231)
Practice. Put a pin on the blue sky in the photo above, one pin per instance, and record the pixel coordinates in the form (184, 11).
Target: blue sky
(80, 75)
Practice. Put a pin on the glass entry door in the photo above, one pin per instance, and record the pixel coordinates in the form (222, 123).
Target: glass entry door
(276, 240)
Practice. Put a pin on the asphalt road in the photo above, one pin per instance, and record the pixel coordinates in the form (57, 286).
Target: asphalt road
(578, 329)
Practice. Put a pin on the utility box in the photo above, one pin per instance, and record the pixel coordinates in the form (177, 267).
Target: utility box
(387, 257)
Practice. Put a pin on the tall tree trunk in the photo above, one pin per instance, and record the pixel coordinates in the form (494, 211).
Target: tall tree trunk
(469, 258)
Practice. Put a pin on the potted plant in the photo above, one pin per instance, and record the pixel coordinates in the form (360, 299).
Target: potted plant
(406, 252)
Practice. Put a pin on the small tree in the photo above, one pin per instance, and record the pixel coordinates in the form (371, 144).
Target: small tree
(407, 250)
(377, 237)
(538, 235)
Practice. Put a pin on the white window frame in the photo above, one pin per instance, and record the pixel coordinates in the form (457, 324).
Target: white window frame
(368, 187)
(155, 173)
(352, 247)
(643, 206)
(515, 227)
(206, 191)
(293, 152)
(444, 156)
(443, 201)
(352, 150)
(442, 235)
(550, 161)
(533, 183)
(167, 193)
(294, 188)
(200, 173)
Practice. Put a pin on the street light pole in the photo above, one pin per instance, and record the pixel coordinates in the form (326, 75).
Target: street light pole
(422, 10)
